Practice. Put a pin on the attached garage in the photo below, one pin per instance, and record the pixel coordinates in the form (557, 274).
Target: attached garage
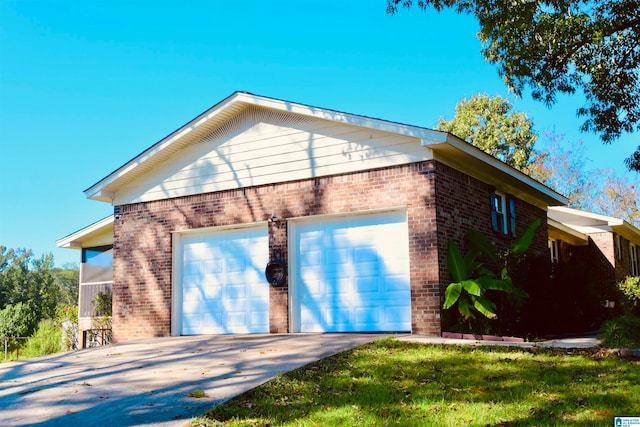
(220, 285)
(359, 208)
(350, 273)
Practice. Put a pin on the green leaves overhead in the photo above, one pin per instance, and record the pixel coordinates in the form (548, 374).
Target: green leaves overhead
(562, 47)
(489, 124)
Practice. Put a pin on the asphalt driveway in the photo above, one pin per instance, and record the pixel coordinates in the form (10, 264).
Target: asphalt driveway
(148, 382)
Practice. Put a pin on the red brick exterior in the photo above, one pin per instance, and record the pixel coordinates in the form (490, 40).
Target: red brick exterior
(441, 203)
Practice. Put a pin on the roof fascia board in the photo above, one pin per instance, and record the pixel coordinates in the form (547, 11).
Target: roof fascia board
(628, 231)
(600, 224)
(96, 190)
(432, 139)
(427, 136)
(608, 220)
(480, 155)
(73, 240)
(577, 238)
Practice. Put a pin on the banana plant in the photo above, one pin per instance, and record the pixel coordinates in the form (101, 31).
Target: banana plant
(472, 278)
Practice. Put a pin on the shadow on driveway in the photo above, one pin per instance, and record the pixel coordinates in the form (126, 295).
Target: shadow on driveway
(148, 382)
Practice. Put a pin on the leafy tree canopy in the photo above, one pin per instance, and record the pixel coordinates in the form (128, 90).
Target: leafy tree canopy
(35, 283)
(557, 47)
(489, 124)
(565, 167)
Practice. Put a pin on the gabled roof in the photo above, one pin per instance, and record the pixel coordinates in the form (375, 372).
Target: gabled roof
(590, 223)
(97, 234)
(446, 148)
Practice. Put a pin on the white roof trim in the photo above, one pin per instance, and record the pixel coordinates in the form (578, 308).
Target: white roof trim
(590, 223)
(553, 197)
(577, 238)
(439, 141)
(74, 240)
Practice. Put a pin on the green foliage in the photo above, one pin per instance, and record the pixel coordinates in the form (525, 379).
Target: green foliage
(562, 47)
(29, 280)
(472, 279)
(35, 282)
(67, 281)
(489, 124)
(101, 331)
(630, 291)
(67, 320)
(46, 340)
(102, 304)
(621, 332)
(565, 168)
(16, 322)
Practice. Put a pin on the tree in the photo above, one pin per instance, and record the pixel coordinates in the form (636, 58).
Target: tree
(28, 280)
(67, 281)
(564, 167)
(16, 321)
(559, 47)
(489, 124)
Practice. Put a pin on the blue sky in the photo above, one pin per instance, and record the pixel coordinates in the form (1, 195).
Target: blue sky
(87, 85)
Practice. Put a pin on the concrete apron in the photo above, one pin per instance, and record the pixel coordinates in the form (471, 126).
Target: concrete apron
(149, 381)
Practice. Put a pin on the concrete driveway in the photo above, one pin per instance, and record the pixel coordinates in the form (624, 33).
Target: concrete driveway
(148, 382)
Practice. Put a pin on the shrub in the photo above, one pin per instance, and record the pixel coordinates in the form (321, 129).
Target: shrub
(16, 321)
(621, 332)
(46, 340)
(630, 294)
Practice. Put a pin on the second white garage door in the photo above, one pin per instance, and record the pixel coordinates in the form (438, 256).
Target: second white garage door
(350, 274)
(223, 289)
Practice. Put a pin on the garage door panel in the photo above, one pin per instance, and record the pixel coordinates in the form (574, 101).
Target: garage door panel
(367, 318)
(398, 315)
(368, 285)
(348, 269)
(222, 285)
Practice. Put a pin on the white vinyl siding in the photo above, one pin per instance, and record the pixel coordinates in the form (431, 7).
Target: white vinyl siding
(260, 147)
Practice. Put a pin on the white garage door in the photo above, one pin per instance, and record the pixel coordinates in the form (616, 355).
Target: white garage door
(351, 274)
(223, 288)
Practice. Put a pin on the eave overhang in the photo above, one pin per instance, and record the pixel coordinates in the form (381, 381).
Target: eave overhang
(559, 231)
(446, 148)
(463, 156)
(78, 239)
(591, 223)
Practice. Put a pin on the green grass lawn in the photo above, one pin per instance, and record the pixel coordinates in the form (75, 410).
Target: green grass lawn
(391, 382)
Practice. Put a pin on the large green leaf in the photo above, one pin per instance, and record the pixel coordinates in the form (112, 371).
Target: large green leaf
(484, 306)
(455, 262)
(465, 308)
(451, 294)
(473, 287)
(496, 284)
(478, 242)
(523, 242)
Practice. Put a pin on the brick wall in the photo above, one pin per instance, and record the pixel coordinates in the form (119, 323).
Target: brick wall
(143, 246)
(601, 257)
(463, 203)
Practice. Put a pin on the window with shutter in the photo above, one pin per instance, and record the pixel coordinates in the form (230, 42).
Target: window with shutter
(499, 211)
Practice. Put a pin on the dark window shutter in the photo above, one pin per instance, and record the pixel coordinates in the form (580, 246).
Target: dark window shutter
(511, 215)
